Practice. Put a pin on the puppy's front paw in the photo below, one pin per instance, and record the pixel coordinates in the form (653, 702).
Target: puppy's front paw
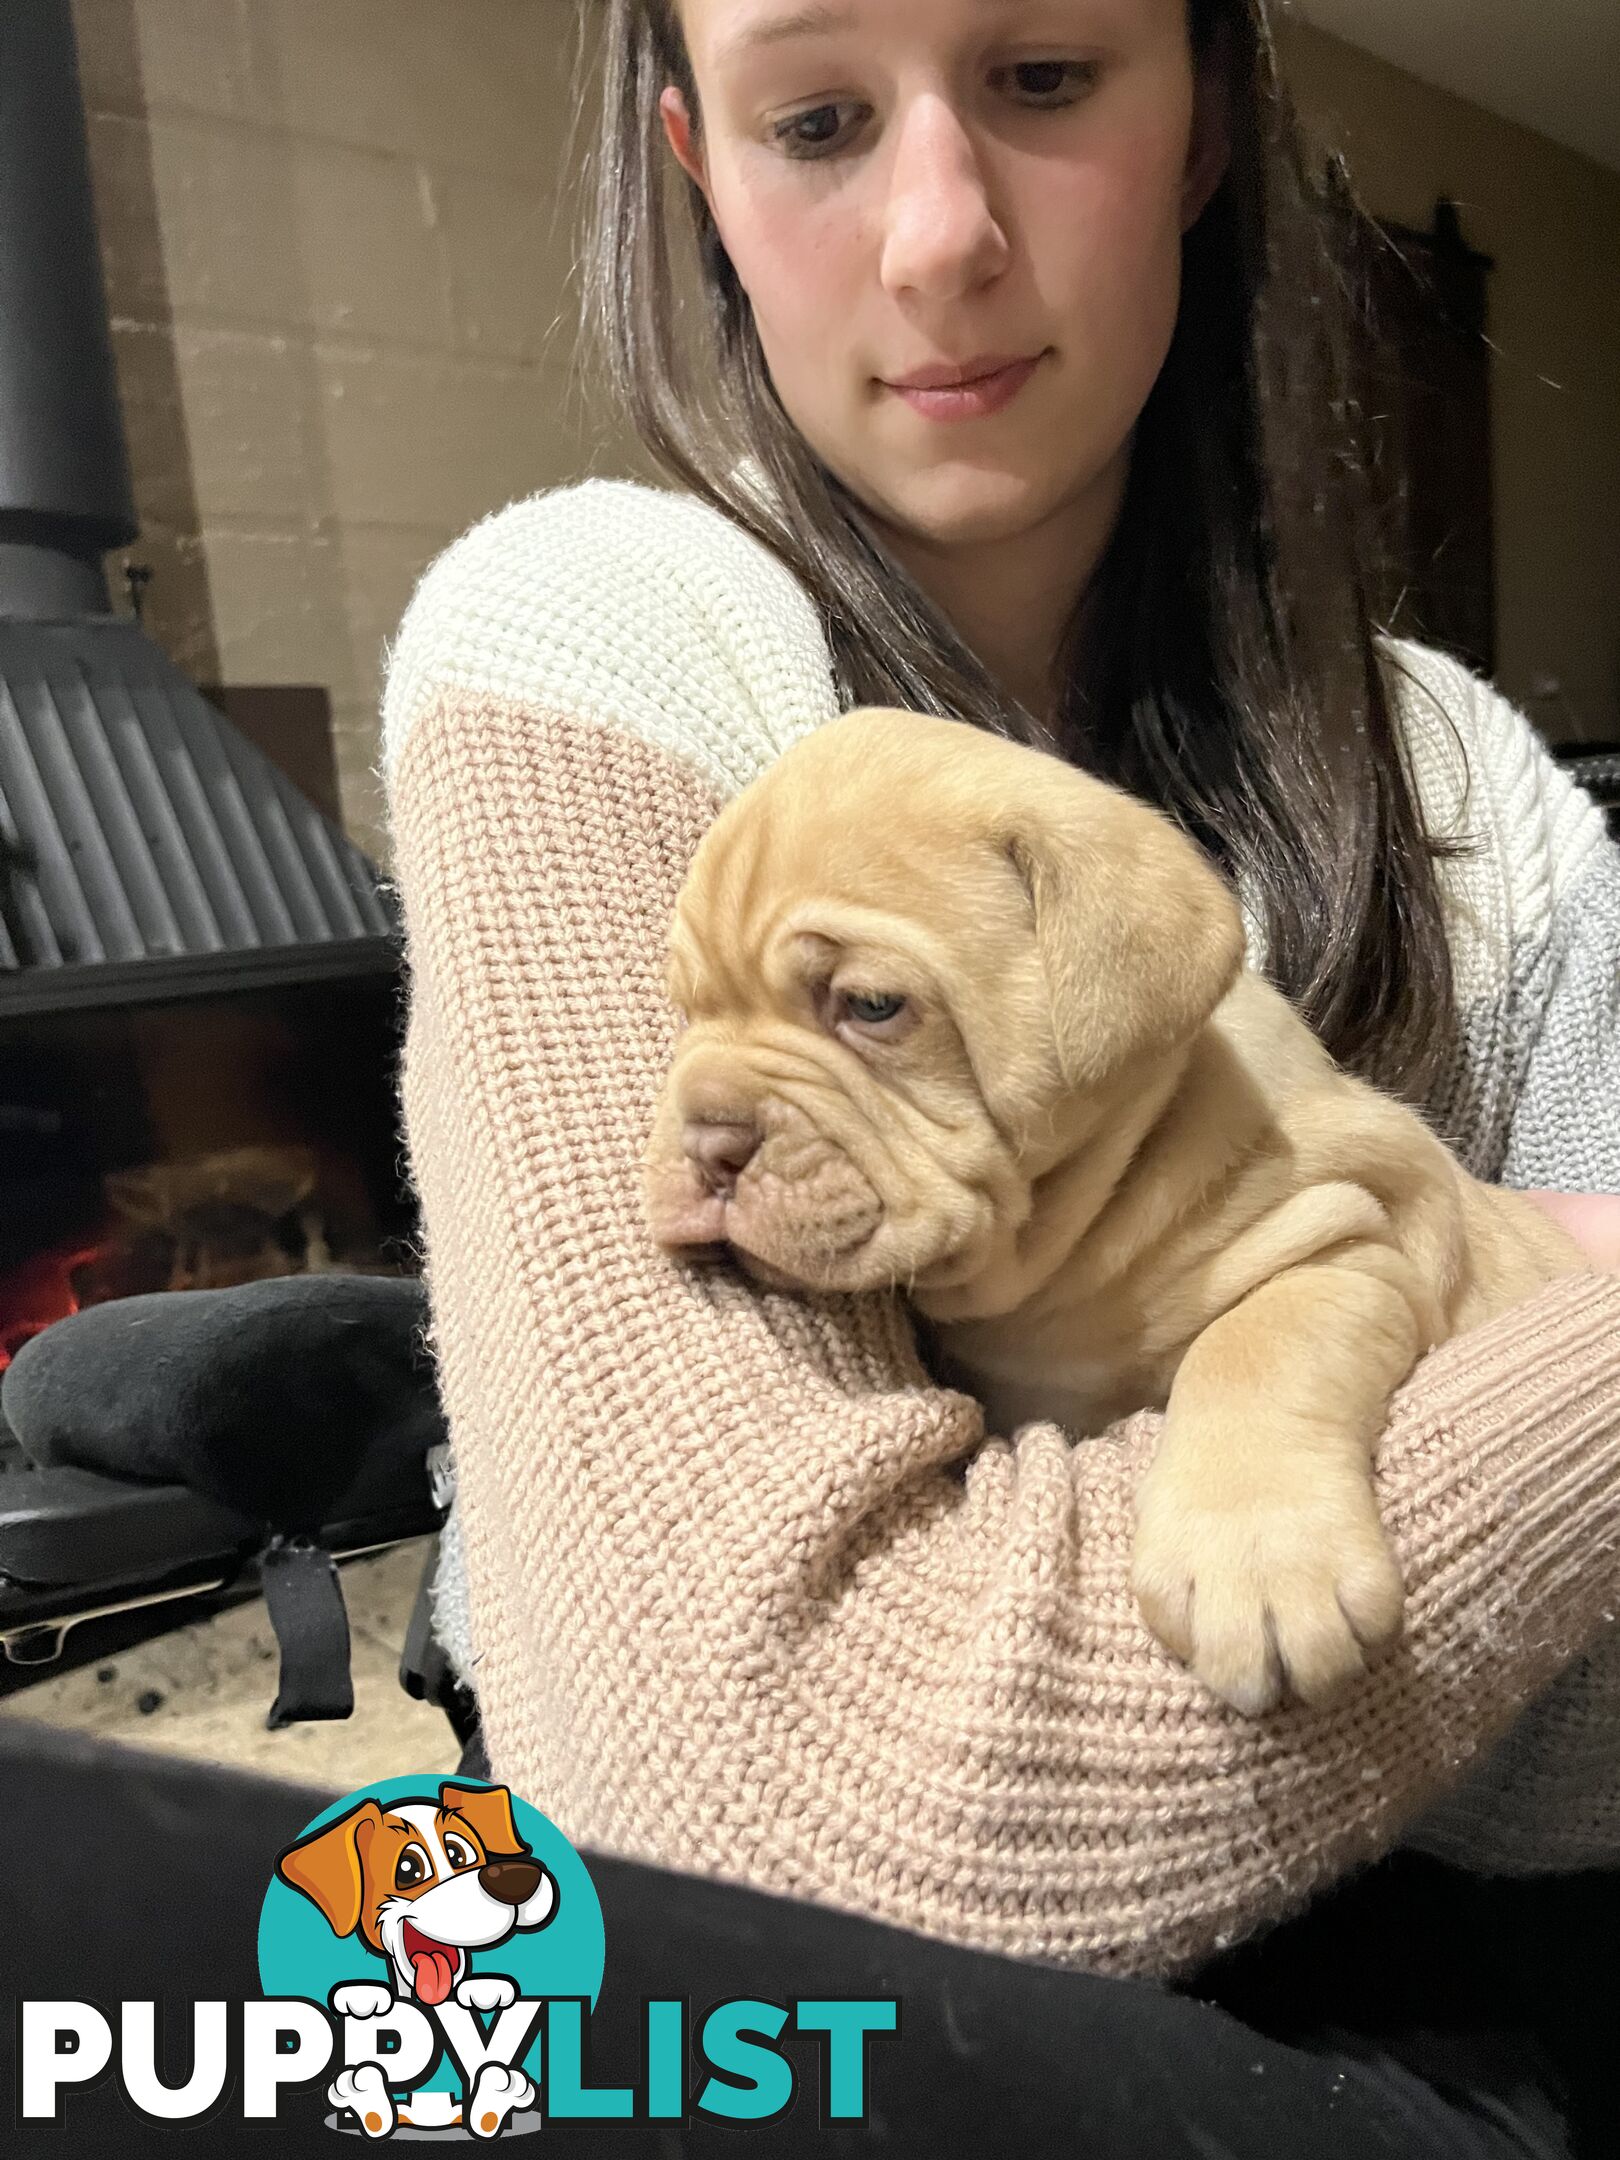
(361, 1999)
(485, 1991)
(1264, 1592)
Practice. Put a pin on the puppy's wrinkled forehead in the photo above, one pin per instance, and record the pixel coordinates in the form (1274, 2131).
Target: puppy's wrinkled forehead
(882, 816)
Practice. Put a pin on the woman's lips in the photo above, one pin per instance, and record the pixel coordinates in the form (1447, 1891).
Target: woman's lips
(970, 400)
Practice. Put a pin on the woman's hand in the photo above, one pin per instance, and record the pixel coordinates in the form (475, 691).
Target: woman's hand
(1592, 1220)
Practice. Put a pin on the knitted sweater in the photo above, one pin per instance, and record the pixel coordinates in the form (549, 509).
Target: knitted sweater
(740, 1589)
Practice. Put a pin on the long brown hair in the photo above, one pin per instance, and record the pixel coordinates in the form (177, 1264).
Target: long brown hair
(1226, 662)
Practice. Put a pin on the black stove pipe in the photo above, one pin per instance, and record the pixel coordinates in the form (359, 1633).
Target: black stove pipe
(65, 494)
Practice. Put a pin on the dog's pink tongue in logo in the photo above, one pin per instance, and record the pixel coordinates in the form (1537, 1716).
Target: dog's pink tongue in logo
(433, 1964)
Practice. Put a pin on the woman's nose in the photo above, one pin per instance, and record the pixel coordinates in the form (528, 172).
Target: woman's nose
(941, 236)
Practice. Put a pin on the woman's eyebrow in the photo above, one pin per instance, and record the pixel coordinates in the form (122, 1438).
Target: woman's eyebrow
(816, 19)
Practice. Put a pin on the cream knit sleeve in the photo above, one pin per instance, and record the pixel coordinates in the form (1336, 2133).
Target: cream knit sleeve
(1535, 920)
(752, 1596)
(1538, 945)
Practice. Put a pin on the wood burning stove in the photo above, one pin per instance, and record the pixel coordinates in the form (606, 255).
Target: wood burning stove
(199, 972)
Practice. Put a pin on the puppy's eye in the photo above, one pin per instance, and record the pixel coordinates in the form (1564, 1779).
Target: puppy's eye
(411, 1868)
(458, 1854)
(873, 1010)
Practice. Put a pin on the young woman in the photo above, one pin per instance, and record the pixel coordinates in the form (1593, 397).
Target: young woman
(993, 347)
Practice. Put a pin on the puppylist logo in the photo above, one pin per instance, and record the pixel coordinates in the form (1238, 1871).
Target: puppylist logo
(429, 1953)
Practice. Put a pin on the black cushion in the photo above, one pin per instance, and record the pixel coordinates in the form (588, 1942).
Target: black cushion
(292, 1400)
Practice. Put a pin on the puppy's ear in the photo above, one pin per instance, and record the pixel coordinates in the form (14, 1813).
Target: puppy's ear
(490, 1814)
(327, 1869)
(1139, 935)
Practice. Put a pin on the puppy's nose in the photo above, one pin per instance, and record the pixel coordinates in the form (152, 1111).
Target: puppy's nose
(512, 1881)
(721, 1152)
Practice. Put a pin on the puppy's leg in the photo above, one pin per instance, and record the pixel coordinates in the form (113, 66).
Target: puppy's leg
(1259, 1557)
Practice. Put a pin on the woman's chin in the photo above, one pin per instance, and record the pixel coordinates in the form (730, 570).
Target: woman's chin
(958, 504)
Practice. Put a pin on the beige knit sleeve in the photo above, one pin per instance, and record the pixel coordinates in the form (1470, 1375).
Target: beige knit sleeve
(751, 1596)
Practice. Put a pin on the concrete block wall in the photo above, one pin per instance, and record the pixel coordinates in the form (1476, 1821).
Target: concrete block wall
(338, 238)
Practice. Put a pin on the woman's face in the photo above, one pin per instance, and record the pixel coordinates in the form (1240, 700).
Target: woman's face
(902, 184)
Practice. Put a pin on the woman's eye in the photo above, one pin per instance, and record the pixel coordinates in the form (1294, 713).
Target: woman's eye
(809, 133)
(1055, 83)
(1046, 78)
(872, 1010)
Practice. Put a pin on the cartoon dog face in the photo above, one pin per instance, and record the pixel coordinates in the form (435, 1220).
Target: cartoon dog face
(424, 1884)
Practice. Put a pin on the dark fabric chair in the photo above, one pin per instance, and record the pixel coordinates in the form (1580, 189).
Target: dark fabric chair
(160, 1451)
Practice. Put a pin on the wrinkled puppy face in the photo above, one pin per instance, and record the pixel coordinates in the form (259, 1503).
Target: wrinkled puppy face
(912, 960)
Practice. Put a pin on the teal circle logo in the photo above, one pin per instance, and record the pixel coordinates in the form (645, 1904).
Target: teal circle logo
(446, 1897)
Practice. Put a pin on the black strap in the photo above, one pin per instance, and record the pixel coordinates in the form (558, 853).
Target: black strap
(305, 1602)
